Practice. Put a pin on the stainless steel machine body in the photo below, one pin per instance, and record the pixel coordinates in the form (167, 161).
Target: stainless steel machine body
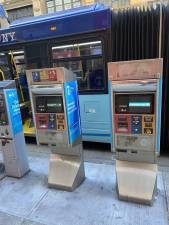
(136, 88)
(54, 98)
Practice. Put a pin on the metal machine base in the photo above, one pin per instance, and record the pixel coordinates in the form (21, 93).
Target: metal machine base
(136, 182)
(66, 172)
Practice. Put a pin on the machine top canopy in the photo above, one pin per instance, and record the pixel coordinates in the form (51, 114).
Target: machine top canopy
(136, 69)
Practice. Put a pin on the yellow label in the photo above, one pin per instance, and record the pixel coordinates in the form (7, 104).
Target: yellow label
(43, 75)
(61, 124)
(148, 124)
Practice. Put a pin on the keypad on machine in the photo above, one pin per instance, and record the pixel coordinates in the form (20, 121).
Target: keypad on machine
(60, 121)
(135, 124)
(51, 121)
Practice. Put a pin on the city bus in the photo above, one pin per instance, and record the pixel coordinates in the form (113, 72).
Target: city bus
(77, 39)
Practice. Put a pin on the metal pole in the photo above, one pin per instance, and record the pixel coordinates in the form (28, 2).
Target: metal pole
(160, 31)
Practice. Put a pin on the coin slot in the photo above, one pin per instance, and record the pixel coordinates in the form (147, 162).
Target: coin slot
(121, 150)
(134, 152)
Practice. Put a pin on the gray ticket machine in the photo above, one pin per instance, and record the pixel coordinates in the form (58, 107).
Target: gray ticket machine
(11, 131)
(136, 90)
(54, 97)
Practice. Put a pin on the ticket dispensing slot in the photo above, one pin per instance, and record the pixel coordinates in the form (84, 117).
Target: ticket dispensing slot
(135, 95)
(56, 113)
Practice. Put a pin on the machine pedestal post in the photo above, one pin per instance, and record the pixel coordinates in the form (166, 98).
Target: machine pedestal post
(66, 172)
(136, 181)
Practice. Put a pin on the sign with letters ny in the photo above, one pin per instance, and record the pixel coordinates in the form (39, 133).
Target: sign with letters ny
(7, 37)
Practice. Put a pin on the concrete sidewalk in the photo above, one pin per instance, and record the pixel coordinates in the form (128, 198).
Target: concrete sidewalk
(28, 201)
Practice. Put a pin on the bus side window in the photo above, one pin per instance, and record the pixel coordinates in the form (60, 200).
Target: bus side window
(36, 56)
(85, 60)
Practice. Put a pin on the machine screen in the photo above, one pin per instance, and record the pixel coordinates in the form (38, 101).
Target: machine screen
(134, 103)
(139, 104)
(40, 104)
(2, 105)
(54, 104)
(3, 119)
(49, 104)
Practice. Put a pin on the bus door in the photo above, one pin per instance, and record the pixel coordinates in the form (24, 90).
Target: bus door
(12, 67)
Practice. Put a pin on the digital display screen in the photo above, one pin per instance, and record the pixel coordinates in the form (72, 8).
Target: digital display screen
(3, 119)
(139, 104)
(54, 104)
(134, 103)
(49, 104)
(3, 115)
(1, 103)
(40, 104)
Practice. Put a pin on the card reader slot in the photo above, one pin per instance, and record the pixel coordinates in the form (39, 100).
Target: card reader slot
(121, 150)
(122, 119)
(6, 138)
(123, 125)
(135, 152)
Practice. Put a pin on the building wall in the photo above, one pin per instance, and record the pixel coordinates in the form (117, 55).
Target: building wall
(55, 5)
(24, 8)
(13, 4)
(39, 7)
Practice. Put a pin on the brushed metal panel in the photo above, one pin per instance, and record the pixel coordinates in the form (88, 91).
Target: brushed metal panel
(65, 172)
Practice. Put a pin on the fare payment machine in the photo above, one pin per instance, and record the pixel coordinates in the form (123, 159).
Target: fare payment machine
(11, 131)
(136, 108)
(54, 97)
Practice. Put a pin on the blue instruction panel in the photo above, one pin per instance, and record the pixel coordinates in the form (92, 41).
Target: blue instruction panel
(73, 114)
(14, 110)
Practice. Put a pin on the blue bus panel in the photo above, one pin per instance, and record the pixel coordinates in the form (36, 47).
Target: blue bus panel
(95, 118)
(71, 22)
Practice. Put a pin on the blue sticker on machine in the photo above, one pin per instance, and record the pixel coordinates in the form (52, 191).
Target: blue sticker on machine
(14, 110)
(73, 114)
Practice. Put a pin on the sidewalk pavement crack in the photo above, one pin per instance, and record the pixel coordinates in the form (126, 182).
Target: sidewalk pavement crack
(166, 198)
(35, 207)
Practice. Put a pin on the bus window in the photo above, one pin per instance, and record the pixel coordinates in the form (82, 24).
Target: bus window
(5, 69)
(20, 62)
(85, 60)
(36, 56)
(12, 64)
